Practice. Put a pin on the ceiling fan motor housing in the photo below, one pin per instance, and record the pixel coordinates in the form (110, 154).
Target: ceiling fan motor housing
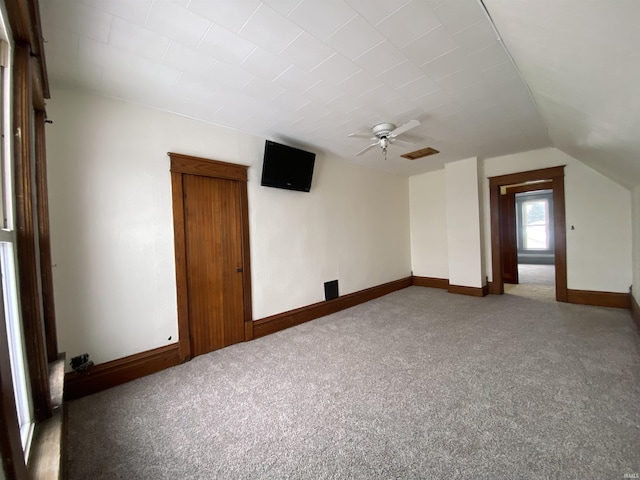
(383, 129)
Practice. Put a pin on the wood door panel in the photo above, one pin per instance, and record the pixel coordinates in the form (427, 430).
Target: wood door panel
(214, 254)
(508, 232)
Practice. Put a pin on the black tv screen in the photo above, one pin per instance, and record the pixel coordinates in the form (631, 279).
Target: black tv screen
(287, 167)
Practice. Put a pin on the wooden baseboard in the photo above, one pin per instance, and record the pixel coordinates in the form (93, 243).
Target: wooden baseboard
(275, 323)
(600, 299)
(471, 291)
(109, 374)
(635, 310)
(431, 282)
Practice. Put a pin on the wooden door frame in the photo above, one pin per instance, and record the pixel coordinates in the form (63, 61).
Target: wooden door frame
(555, 176)
(185, 164)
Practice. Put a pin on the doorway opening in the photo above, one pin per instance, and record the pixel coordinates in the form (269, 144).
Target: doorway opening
(528, 237)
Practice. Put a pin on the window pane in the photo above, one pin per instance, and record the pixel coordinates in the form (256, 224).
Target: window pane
(16, 347)
(536, 224)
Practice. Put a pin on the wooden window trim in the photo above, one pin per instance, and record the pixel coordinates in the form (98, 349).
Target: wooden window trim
(26, 239)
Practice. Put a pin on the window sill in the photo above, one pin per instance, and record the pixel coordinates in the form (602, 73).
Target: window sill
(45, 460)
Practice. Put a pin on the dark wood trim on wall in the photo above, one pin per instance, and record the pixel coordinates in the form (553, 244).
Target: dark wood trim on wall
(27, 238)
(246, 262)
(186, 164)
(430, 282)
(556, 177)
(281, 321)
(207, 168)
(532, 187)
(471, 291)
(181, 266)
(635, 310)
(46, 273)
(109, 374)
(600, 299)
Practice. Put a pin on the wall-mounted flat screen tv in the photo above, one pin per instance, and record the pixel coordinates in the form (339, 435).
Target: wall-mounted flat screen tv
(287, 167)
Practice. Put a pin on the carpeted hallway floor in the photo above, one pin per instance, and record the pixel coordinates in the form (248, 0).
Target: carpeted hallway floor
(417, 384)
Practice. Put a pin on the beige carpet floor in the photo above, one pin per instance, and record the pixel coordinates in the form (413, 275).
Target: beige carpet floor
(419, 384)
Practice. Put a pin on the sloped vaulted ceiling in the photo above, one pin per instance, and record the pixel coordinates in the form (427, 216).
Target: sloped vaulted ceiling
(581, 60)
(309, 72)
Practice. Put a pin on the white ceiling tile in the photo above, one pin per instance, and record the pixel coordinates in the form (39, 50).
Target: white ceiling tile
(459, 80)
(195, 88)
(154, 72)
(446, 64)
(443, 110)
(104, 55)
(306, 52)
(408, 23)
(60, 42)
(399, 110)
(321, 19)
(489, 57)
(135, 11)
(380, 58)
(265, 64)
(222, 44)
(345, 104)
(354, 38)
(500, 74)
(418, 88)
(289, 102)
(430, 46)
(361, 82)
(78, 18)
(457, 15)
(269, 29)
(231, 15)
(177, 23)
(475, 93)
(434, 99)
(262, 90)
(138, 40)
(476, 37)
(323, 92)
(335, 69)
(401, 74)
(187, 60)
(374, 11)
(283, 6)
(295, 79)
(234, 98)
(379, 96)
(223, 73)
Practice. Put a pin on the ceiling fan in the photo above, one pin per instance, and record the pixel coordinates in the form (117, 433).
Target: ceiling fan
(385, 134)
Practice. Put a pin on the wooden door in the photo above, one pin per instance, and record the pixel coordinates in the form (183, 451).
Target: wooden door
(213, 264)
(213, 238)
(509, 243)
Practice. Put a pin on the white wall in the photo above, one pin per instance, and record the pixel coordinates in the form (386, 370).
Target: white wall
(112, 230)
(429, 252)
(463, 223)
(599, 248)
(635, 220)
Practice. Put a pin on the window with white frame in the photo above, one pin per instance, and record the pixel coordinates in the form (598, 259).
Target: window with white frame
(8, 262)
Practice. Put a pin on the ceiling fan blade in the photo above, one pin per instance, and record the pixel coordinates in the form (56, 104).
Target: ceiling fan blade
(401, 142)
(358, 135)
(368, 148)
(404, 128)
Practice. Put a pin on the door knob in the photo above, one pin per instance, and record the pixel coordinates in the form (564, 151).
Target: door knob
(238, 270)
